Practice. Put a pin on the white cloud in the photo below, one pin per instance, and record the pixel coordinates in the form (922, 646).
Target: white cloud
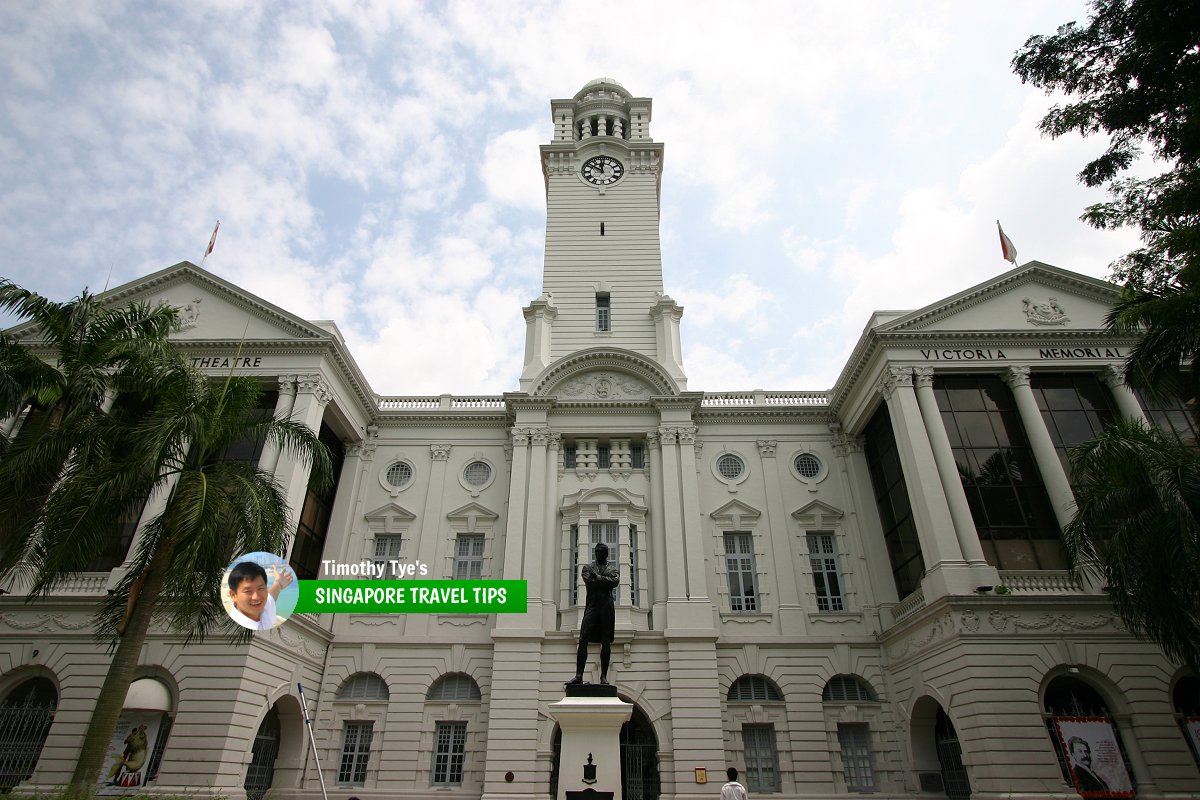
(511, 168)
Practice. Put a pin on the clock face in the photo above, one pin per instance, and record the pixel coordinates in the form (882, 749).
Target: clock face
(602, 170)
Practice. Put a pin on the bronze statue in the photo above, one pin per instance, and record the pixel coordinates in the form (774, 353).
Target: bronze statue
(599, 615)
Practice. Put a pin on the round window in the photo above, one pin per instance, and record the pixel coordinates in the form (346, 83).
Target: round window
(730, 467)
(399, 474)
(477, 473)
(807, 465)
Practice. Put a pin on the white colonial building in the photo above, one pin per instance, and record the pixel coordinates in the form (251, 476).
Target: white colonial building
(840, 592)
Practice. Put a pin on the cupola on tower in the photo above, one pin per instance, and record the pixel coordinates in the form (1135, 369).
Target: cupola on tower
(602, 285)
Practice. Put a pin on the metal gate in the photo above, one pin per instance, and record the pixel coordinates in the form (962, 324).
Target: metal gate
(954, 774)
(639, 771)
(262, 761)
(25, 719)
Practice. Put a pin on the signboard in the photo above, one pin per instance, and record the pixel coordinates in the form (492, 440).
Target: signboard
(1094, 757)
(128, 758)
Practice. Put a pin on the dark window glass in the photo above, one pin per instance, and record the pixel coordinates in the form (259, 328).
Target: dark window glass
(1008, 502)
(1170, 415)
(891, 498)
(1075, 408)
(314, 516)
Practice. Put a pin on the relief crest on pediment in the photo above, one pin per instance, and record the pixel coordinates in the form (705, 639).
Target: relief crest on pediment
(606, 385)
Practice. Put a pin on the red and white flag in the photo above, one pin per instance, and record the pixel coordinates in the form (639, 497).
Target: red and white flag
(212, 242)
(1007, 248)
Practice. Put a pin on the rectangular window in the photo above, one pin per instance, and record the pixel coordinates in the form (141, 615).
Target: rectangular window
(308, 547)
(569, 456)
(827, 577)
(449, 753)
(891, 500)
(1169, 415)
(633, 565)
(603, 456)
(762, 759)
(603, 312)
(356, 751)
(606, 532)
(739, 564)
(1075, 407)
(637, 456)
(855, 740)
(468, 558)
(387, 548)
(574, 547)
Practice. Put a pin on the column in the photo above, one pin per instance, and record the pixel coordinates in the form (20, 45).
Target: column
(312, 395)
(791, 610)
(551, 535)
(1127, 402)
(657, 547)
(535, 523)
(677, 586)
(269, 459)
(693, 536)
(514, 537)
(947, 467)
(946, 571)
(1058, 487)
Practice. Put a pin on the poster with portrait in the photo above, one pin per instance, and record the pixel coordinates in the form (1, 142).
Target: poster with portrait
(1090, 747)
(128, 758)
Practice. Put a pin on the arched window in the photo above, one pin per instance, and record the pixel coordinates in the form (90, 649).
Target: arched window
(454, 688)
(261, 771)
(25, 717)
(1085, 737)
(1186, 699)
(848, 689)
(363, 686)
(754, 689)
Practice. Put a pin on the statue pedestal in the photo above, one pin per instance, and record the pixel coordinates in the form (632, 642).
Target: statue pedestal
(590, 718)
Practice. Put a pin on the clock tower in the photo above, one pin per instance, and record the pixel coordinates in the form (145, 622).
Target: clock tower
(602, 283)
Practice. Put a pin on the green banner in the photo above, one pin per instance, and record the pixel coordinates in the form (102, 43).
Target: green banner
(411, 597)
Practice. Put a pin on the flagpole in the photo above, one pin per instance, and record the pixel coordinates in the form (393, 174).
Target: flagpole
(312, 739)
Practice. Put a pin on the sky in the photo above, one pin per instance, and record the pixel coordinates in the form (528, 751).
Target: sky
(376, 163)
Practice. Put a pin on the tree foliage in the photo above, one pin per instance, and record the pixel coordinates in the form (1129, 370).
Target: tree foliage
(1138, 527)
(1132, 71)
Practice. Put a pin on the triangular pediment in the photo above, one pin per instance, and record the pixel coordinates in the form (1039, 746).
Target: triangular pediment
(736, 514)
(470, 515)
(1035, 297)
(212, 309)
(389, 517)
(603, 498)
(817, 515)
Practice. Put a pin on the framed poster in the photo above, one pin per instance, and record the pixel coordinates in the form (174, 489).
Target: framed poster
(1192, 726)
(128, 758)
(1094, 757)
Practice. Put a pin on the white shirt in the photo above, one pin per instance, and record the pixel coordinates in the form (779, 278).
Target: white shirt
(733, 791)
(264, 623)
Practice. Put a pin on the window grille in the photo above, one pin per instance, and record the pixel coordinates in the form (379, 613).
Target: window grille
(160, 747)
(454, 688)
(387, 548)
(730, 467)
(762, 758)
(808, 465)
(754, 689)
(356, 751)
(449, 753)
(855, 740)
(569, 456)
(827, 577)
(477, 473)
(637, 456)
(847, 689)
(468, 558)
(25, 718)
(739, 564)
(399, 474)
(363, 686)
(603, 456)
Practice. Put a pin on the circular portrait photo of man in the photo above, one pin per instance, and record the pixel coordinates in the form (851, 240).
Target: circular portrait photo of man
(259, 591)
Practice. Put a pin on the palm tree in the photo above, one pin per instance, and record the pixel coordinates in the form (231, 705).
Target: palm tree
(1138, 529)
(98, 352)
(216, 510)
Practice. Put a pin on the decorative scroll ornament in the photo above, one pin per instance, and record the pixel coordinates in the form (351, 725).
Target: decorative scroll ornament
(604, 386)
(1047, 313)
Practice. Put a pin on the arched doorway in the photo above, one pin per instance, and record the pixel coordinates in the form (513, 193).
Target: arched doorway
(261, 772)
(949, 753)
(25, 718)
(1086, 737)
(639, 759)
